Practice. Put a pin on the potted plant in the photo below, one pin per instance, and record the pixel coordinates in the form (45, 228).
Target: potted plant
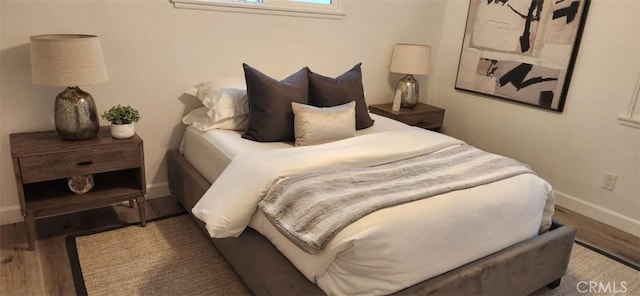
(122, 119)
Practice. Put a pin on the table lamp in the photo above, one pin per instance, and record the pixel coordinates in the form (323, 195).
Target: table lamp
(410, 59)
(70, 60)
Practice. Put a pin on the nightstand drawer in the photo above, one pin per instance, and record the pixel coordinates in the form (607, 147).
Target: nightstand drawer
(67, 164)
(429, 121)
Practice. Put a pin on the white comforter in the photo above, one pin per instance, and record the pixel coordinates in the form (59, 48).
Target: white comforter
(392, 248)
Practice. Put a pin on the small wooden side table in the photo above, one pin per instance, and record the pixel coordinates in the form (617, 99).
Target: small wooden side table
(42, 162)
(423, 115)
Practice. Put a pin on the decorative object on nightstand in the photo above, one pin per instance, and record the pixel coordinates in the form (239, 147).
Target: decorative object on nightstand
(122, 119)
(81, 184)
(423, 115)
(70, 60)
(43, 165)
(410, 59)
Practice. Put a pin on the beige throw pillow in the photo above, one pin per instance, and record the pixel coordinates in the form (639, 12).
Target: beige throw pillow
(317, 125)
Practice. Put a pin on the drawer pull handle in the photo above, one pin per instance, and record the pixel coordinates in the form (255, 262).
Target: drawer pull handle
(88, 162)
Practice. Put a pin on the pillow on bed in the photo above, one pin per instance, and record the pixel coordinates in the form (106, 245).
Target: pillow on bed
(270, 113)
(200, 119)
(225, 105)
(316, 125)
(227, 97)
(326, 92)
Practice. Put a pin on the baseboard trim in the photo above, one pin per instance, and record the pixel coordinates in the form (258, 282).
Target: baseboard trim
(598, 213)
(157, 190)
(12, 214)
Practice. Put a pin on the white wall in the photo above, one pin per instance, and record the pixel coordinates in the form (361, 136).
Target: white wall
(573, 149)
(153, 52)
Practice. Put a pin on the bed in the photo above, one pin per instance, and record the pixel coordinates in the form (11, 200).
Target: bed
(520, 268)
(408, 211)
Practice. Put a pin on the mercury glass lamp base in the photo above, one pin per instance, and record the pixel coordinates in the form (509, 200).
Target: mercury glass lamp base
(408, 90)
(75, 115)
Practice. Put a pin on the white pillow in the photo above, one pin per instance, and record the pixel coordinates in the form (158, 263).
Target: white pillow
(200, 119)
(317, 125)
(223, 99)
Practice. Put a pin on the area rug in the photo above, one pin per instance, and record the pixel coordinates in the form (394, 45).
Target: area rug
(173, 257)
(167, 257)
(592, 273)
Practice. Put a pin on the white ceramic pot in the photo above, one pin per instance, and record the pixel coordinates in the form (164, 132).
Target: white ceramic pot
(122, 131)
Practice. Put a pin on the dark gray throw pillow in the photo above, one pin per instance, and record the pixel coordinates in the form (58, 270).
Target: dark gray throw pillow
(270, 113)
(328, 92)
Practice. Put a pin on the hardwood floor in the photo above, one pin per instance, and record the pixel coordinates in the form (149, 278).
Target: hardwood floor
(601, 236)
(46, 271)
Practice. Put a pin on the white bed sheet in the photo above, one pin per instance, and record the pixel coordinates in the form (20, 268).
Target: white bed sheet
(211, 151)
(493, 216)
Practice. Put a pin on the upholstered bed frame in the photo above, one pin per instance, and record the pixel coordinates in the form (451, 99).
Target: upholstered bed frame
(517, 270)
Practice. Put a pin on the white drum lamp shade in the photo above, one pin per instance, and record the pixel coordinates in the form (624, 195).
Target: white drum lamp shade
(70, 60)
(67, 60)
(410, 59)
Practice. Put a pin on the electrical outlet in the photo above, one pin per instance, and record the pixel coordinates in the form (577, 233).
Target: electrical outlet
(609, 181)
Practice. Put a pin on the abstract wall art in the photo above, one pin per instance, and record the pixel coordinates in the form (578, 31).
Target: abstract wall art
(521, 50)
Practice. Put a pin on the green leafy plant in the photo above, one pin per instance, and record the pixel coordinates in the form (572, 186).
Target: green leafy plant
(121, 115)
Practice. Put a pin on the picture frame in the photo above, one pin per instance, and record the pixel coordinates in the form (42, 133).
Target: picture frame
(521, 50)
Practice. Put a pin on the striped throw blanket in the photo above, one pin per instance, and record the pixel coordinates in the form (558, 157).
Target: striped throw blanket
(311, 208)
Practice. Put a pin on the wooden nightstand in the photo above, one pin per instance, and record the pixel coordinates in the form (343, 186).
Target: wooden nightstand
(423, 115)
(42, 162)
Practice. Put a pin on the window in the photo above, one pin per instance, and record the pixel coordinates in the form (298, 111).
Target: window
(632, 118)
(329, 9)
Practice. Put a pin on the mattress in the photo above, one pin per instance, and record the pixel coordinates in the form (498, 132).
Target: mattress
(492, 217)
